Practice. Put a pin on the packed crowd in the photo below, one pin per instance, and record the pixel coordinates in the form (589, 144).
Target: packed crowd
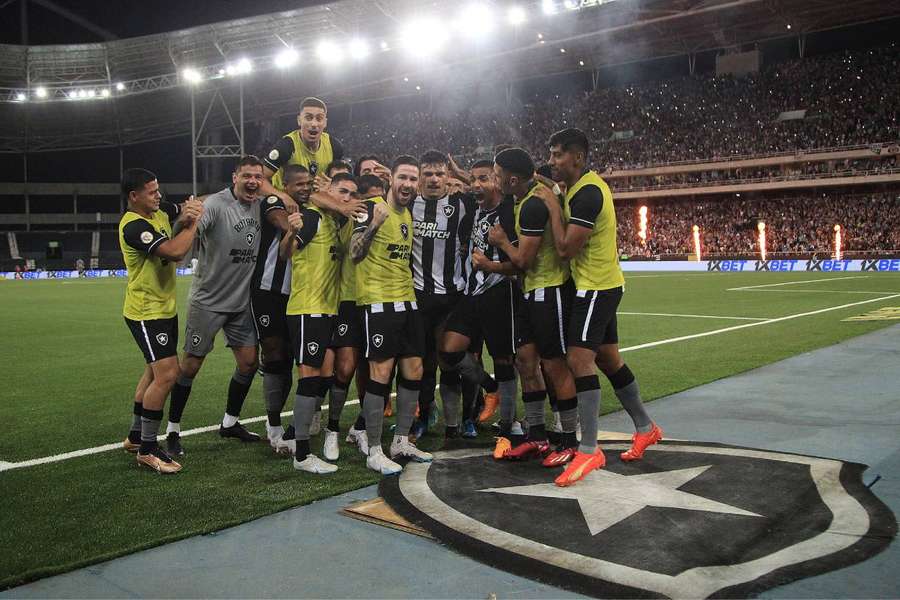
(799, 224)
(849, 99)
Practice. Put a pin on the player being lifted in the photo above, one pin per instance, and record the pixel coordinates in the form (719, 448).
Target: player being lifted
(150, 253)
(541, 322)
(381, 247)
(584, 231)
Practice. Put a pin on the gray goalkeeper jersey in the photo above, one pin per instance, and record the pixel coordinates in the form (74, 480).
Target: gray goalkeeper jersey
(228, 240)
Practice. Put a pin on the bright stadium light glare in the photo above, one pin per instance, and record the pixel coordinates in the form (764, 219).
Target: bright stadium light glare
(476, 20)
(516, 16)
(580, 63)
(549, 7)
(571, 4)
(105, 92)
(41, 92)
(287, 58)
(21, 97)
(91, 93)
(241, 67)
(424, 37)
(384, 45)
(328, 51)
(192, 75)
(120, 87)
(359, 48)
(82, 94)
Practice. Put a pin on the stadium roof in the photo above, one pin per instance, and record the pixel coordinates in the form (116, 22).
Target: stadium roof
(134, 90)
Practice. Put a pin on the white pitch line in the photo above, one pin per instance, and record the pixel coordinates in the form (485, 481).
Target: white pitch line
(755, 324)
(819, 291)
(767, 285)
(8, 466)
(646, 314)
(118, 445)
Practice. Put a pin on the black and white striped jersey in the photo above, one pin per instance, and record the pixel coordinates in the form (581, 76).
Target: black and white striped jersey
(478, 282)
(436, 257)
(271, 273)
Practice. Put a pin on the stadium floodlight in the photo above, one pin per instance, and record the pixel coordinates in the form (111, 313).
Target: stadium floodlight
(571, 4)
(241, 67)
(287, 58)
(21, 97)
(476, 20)
(549, 7)
(516, 16)
(424, 37)
(580, 63)
(359, 48)
(105, 92)
(328, 51)
(562, 50)
(406, 79)
(91, 93)
(82, 94)
(192, 75)
(418, 88)
(41, 92)
(384, 45)
(120, 87)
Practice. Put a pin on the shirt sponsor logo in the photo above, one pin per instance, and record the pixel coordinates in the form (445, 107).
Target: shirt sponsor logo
(423, 229)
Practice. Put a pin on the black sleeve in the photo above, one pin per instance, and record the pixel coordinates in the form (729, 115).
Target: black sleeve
(140, 235)
(361, 226)
(272, 203)
(337, 150)
(341, 220)
(309, 229)
(585, 205)
(507, 217)
(171, 209)
(468, 202)
(533, 217)
(278, 156)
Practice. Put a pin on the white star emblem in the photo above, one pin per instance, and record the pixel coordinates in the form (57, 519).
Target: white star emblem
(605, 498)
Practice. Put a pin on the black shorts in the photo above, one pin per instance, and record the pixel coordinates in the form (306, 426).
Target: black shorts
(594, 318)
(489, 316)
(543, 318)
(392, 333)
(347, 327)
(310, 338)
(157, 338)
(434, 309)
(269, 314)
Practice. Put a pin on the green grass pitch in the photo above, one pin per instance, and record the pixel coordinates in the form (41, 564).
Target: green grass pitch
(70, 367)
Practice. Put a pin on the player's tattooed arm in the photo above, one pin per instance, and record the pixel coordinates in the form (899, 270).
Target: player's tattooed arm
(361, 240)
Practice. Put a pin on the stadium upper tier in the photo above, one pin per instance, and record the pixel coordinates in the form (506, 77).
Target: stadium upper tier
(135, 90)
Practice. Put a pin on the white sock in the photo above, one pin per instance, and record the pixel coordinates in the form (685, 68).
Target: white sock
(229, 421)
(176, 427)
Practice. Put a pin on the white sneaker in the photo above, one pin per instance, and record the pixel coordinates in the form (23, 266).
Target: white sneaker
(274, 434)
(358, 438)
(331, 450)
(286, 447)
(401, 446)
(316, 425)
(314, 464)
(517, 429)
(377, 461)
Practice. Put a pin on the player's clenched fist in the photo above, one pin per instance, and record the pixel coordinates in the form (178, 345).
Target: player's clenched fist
(192, 210)
(379, 213)
(496, 235)
(295, 221)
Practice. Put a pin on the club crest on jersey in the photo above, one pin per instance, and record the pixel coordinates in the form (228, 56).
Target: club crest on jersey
(775, 518)
(250, 239)
(404, 230)
(312, 347)
(377, 340)
(449, 210)
(342, 329)
(162, 338)
(483, 227)
(264, 320)
(272, 199)
(273, 155)
(195, 340)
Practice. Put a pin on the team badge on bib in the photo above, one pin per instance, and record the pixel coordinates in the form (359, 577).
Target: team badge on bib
(312, 347)
(342, 329)
(264, 320)
(195, 340)
(273, 155)
(146, 237)
(377, 340)
(449, 210)
(404, 230)
(162, 338)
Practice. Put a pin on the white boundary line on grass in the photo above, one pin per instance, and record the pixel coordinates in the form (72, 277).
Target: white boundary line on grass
(768, 285)
(646, 314)
(820, 291)
(7, 466)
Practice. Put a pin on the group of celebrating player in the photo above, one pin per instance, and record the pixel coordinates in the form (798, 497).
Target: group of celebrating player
(378, 273)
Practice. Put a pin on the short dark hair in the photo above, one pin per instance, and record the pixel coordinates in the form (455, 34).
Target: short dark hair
(366, 182)
(516, 161)
(134, 180)
(570, 138)
(404, 159)
(363, 159)
(338, 164)
(291, 170)
(248, 161)
(501, 147)
(339, 177)
(483, 164)
(433, 157)
(312, 101)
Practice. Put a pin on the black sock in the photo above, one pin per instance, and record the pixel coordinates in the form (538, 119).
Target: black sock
(274, 417)
(237, 392)
(568, 440)
(451, 431)
(334, 425)
(180, 394)
(506, 429)
(302, 449)
(537, 433)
